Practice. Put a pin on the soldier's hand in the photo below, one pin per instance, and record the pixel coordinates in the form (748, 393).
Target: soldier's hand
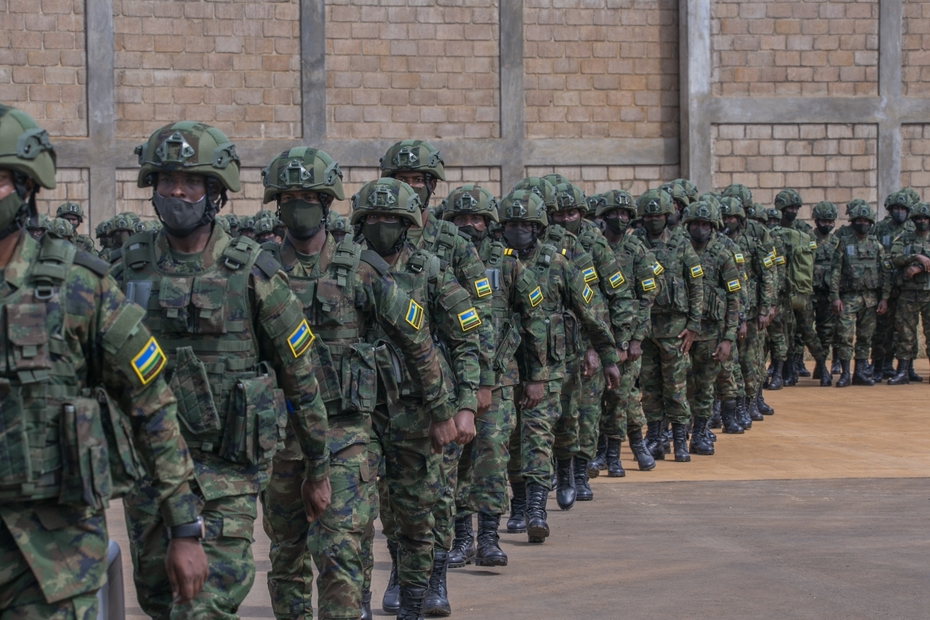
(924, 262)
(186, 564)
(533, 393)
(612, 375)
(687, 337)
(465, 424)
(763, 321)
(882, 307)
(912, 271)
(442, 433)
(591, 363)
(743, 330)
(484, 398)
(636, 350)
(722, 352)
(316, 496)
(622, 355)
(837, 307)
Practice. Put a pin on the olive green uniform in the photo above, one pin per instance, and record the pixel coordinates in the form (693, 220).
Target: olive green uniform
(914, 299)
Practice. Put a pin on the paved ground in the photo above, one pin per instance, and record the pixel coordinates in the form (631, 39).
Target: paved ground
(819, 512)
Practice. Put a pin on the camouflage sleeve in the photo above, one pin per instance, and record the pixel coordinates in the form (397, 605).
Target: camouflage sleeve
(693, 275)
(469, 271)
(390, 305)
(457, 327)
(534, 334)
(898, 257)
(766, 265)
(886, 272)
(279, 317)
(836, 270)
(580, 298)
(617, 291)
(125, 358)
(732, 282)
(649, 282)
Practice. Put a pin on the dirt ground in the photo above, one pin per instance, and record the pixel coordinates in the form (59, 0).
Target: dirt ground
(820, 512)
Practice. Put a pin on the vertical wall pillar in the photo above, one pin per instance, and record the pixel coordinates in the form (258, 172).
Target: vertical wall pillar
(890, 34)
(511, 92)
(313, 70)
(101, 109)
(694, 25)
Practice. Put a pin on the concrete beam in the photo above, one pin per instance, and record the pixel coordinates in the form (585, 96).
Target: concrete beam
(511, 92)
(765, 110)
(694, 26)
(101, 109)
(313, 69)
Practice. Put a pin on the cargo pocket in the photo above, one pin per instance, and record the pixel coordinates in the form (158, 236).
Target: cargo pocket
(196, 407)
(27, 335)
(15, 463)
(506, 347)
(325, 371)
(256, 422)
(556, 338)
(359, 379)
(174, 298)
(85, 465)
(126, 467)
(208, 296)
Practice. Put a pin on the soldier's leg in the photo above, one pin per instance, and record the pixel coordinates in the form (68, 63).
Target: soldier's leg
(335, 538)
(651, 381)
(846, 329)
(865, 329)
(905, 326)
(883, 338)
(614, 423)
(566, 428)
(376, 469)
(674, 373)
(491, 455)
(515, 441)
(444, 509)
(633, 414)
(589, 414)
(148, 545)
(537, 438)
(703, 378)
(805, 327)
(825, 321)
(290, 580)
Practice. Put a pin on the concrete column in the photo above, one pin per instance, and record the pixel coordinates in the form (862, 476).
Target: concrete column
(313, 70)
(101, 111)
(511, 93)
(890, 33)
(694, 25)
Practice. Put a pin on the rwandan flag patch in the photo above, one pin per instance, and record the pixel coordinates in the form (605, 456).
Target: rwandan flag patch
(733, 286)
(590, 274)
(767, 261)
(738, 257)
(779, 260)
(697, 271)
(648, 284)
(535, 297)
(657, 269)
(469, 319)
(813, 245)
(483, 287)
(616, 280)
(301, 339)
(414, 315)
(587, 294)
(149, 362)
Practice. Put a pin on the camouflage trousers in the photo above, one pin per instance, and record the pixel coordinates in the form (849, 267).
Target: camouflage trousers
(532, 438)
(702, 380)
(444, 508)
(229, 523)
(333, 541)
(29, 562)
(824, 321)
(623, 411)
(749, 355)
(567, 426)
(663, 381)
(730, 383)
(913, 307)
(482, 479)
(883, 339)
(409, 485)
(779, 328)
(804, 332)
(856, 323)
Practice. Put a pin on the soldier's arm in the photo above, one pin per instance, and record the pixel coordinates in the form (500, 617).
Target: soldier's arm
(899, 258)
(287, 340)
(526, 300)
(767, 285)
(693, 275)
(458, 324)
(649, 282)
(886, 273)
(732, 283)
(581, 299)
(836, 268)
(469, 272)
(127, 360)
(616, 287)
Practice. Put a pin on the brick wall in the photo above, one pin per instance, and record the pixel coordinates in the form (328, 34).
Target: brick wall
(916, 47)
(915, 159)
(601, 69)
(232, 64)
(398, 68)
(71, 186)
(597, 179)
(821, 161)
(795, 47)
(42, 62)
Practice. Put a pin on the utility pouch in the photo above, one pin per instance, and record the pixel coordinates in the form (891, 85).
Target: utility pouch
(256, 421)
(359, 379)
(506, 347)
(556, 338)
(196, 406)
(572, 334)
(325, 370)
(85, 465)
(15, 463)
(390, 365)
(126, 466)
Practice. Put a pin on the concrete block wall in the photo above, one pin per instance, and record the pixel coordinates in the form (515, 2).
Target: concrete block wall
(916, 44)
(597, 179)
(915, 158)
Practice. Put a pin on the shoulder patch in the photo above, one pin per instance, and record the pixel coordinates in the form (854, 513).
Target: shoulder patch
(97, 265)
(657, 269)
(813, 245)
(779, 260)
(616, 280)
(300, 339)
(590, 275)
(768, 261)
(564, 252)
(535, 296)
(733, 286)
(374, 259)
(649, 284)
(469, 319)
(697, 271)
(508, 252)
(414, 315)
(483, 287)
(587, 294)
(149, 361)
(267, 263)
(738, 257)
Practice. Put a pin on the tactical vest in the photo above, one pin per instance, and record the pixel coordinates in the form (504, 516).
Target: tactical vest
(562, 325)
(228, 403)
(913, 246)
(507, 324)
(861, 268)
(823, 258)
(444, 242)
(715, 296)
(673, 298)
(55, 441)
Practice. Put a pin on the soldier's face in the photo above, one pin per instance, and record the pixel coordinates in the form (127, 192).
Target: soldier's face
(75, 220)
(381, 218)
(306, 196)
(561, 217)
(475, 221)
(416, 180)
(183, 185)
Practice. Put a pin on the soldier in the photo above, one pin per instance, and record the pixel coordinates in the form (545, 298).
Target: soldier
(777, 330)
(680, 199)
(59, 302)
(565, 298)
(343, 290)
(264, 231)
(122, 226)
(623, 409)
(520, 358)
(911, 255)
(60, 228)
(37, 225)
(407, 436)
(337, 225)
(102, 231)
(676, 320)
(859, 288)
(247, 227)
(719, 323)
(824, 215)
(236, 343)
(72, 212)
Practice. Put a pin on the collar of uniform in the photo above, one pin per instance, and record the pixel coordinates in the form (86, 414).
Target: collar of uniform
(23, 256)
(214, 249)
(423, 237)
(290, 257)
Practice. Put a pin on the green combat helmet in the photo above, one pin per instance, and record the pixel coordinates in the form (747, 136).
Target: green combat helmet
(738, 190)
(700, 211)
(690, 188)
(610, 200)
(84, 242)
(247, 226)
(712, 198)
(303, 169)
(388, 196)
(854, 204)
(678, 193)
(862, 209)
(102, 230)
(337, 225)
(523, 205)
(555, 179)
(36, 225)
(264, 229)
(756, 211)
(264, 213)
(223, 222)
(825, 210)
(921, 209)
(70, 211)
(61, 228)
(233, 220)
(26, 152)
(772, 217)
(470, 199)
(654, 202)
(541, 187)
(730, 205)
(788, 198)
(415, 156)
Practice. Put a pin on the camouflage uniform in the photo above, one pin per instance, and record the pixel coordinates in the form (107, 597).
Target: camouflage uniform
(68, 329)
(825, 320)
(236, 342)
(781, 324)
(914, 300)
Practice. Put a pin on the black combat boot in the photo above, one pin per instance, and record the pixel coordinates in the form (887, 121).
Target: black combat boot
(463, 547)
(390, 602)
(516, 524)
(844, 379)
(599, 462)
(742, 414)
(537, 530)
(790, 371)
(729, 414)
(411, 605)
(583, 492)
(887, 369)
(638, 447)
(715, 420)
(489, 550)
(666, 437)
(654, 440)
(366, 605)
(436, 601)
(900, 376)
(753, 408)
(763, 406)
(912, 374)
(614, 467)
(699, 442)
(776, 382)
(800, 367)
(861, 374)
(680, 438)
(836, 368)
(565, 489)
(820, 372)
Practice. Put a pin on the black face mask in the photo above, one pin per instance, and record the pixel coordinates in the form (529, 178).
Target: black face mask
(674, 217)
(862, 228)
(573, 226)
(789, 216)
(180, 217)
(700, 235)
(732, 227)
(474, 234)
(385, 239)
(771, 224)
(824, 229)
(303, 219)
(922, 225)
(616, 225)
(655, 227)
(519, 239)
(899, 216)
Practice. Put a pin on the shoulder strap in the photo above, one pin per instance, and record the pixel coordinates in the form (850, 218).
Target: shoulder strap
(497, 254)
(98, 266)
(268, 263)
(587, 237)
(554, 234)
(243, 252)
(53, 263)
(345, 261)
(140, 249)
(374, 259)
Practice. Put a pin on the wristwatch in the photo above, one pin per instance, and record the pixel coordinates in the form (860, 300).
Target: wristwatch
(624, 345)
(194, 529)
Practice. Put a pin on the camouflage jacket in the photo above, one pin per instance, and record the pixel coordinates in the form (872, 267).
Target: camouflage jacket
(860, 267)
(647, 280)
(85, 334)
(680, 303)
(722, 288)
(759, 268)
(823, 259)
(781, 263)
(888, 231)
(442, 238)
(236, 341)
(904, 252)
